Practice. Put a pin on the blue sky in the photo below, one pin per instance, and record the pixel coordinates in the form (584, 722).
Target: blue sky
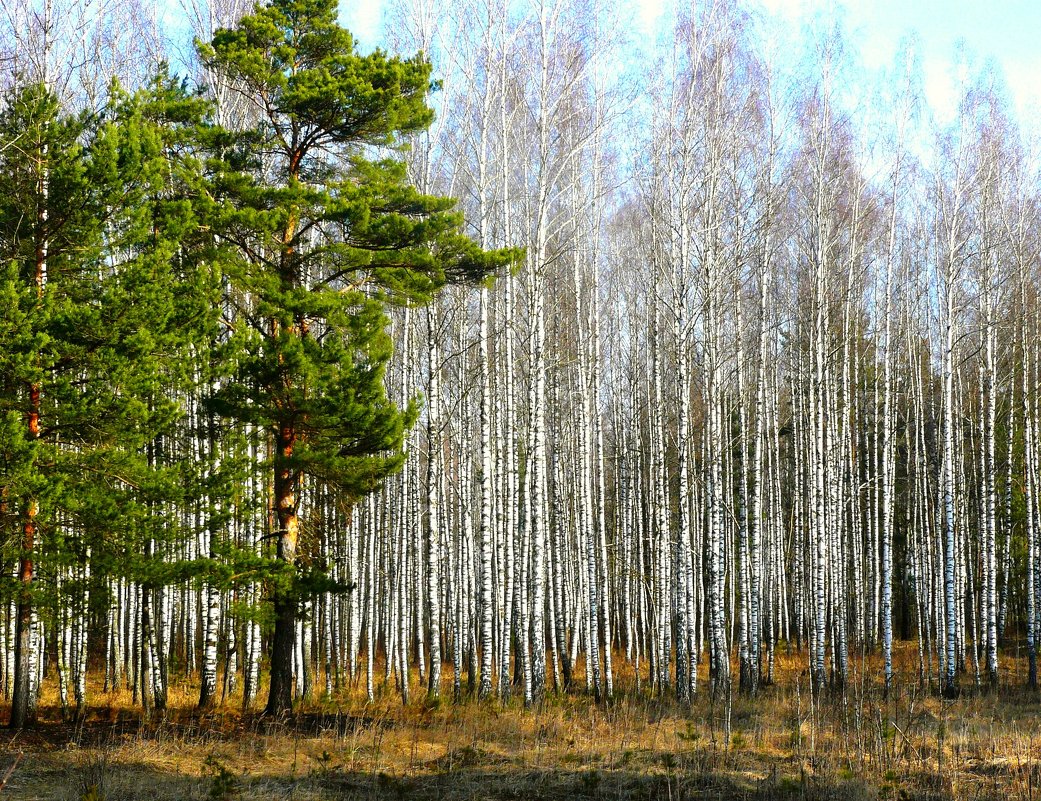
(1008, 32)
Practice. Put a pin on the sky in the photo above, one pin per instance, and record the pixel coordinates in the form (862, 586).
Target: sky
(1005, 32)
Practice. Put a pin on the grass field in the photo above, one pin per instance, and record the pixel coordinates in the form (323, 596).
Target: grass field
(781, 744)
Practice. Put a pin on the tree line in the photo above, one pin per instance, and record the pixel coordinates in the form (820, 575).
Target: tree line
(731, 353)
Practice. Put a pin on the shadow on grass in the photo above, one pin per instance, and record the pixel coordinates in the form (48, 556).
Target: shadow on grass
(178, 758)
(91, 775)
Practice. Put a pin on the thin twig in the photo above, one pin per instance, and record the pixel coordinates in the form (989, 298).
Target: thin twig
(10, 770)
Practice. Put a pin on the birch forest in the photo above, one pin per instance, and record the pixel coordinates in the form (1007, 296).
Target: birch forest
(657, 363)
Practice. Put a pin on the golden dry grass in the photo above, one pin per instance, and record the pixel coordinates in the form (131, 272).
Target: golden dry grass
(782, 744)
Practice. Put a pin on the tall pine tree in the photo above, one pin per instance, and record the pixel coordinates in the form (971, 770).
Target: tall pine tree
(327, 232)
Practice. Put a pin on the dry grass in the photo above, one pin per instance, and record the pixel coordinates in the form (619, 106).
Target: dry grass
(782, 744)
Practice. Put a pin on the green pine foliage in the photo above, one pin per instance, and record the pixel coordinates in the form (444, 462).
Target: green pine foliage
(169, 288)
(104, 293)
(325, 232)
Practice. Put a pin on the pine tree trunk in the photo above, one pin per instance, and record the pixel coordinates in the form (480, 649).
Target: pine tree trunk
(286, 489)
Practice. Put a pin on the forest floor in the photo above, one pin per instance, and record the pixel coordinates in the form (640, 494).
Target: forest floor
(781, 744)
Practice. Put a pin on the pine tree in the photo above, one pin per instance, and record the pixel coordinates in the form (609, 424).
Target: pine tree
(327, 232)
(93, 219)
(44, 225)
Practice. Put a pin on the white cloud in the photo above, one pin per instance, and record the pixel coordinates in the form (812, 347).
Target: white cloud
(1025, 89)
(784, 8)
(362, 18)
(648, 13)
(941, 88)
(796, 10)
